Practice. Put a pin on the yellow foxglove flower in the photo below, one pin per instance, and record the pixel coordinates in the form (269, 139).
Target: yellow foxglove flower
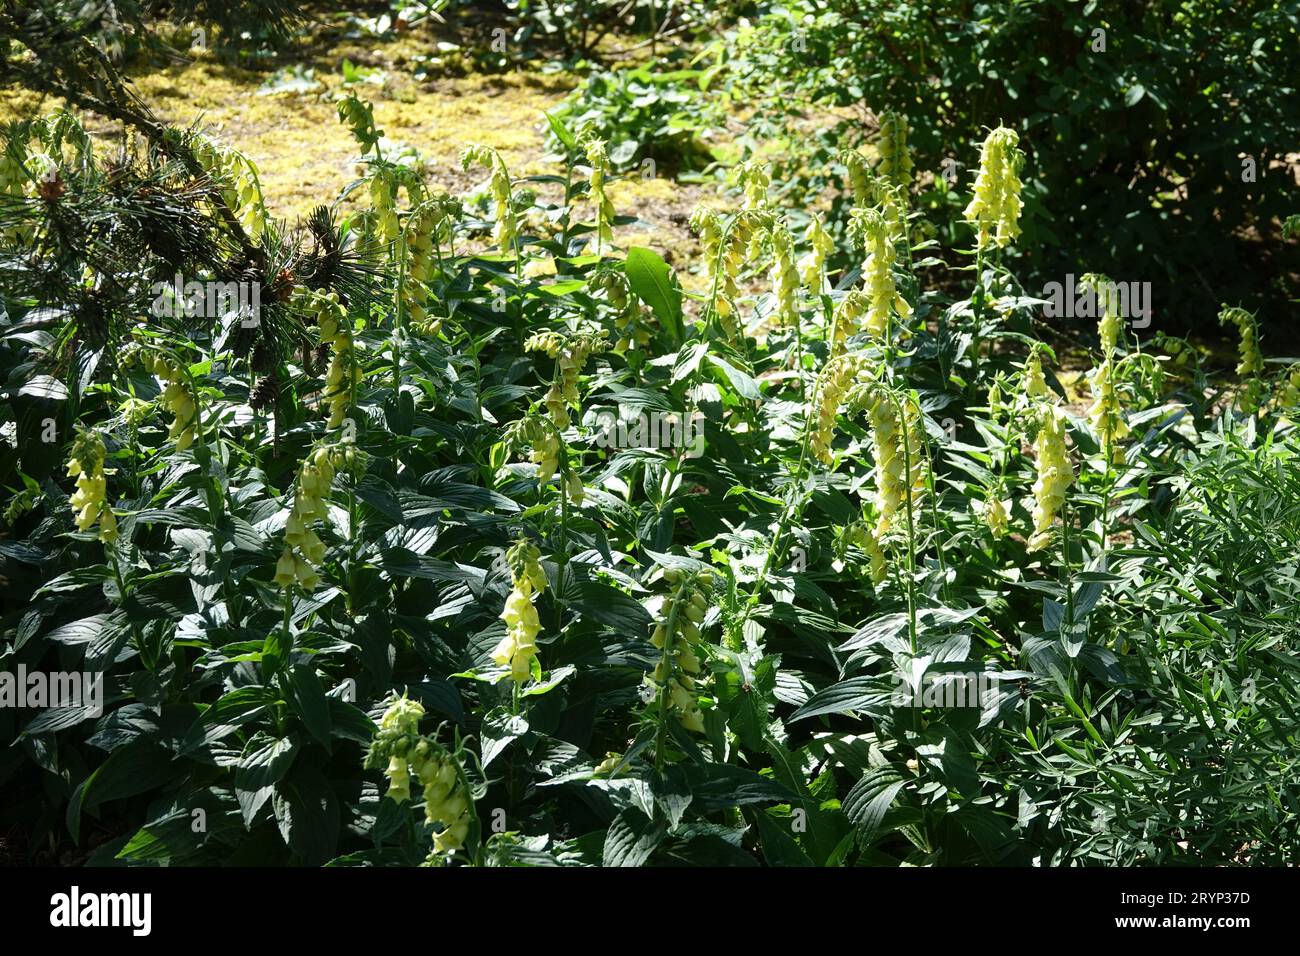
(90, 500)
(995, 208)
(429, 224)
(599, 162)
(862, 181)
(866, 538)
(176, 397)
(399, 779)
(13, 185)
(1109, 326)
(677, 633)
(847, 319)
(755, 181)
(895, 162)
(785, 276)
(518, 648)
(1105, 415)
(820, 245)
(832, 386)
(383, 205)
(899, 455)
(304, 551)
(1055, 474)
(570, 352)
(1290, 397)
(1035, 383)
(882, 294)
(235, 176)
(402, 716)
(344, 373)
(1252, 360)
(995, 515)
(726, 252)
(506, 229)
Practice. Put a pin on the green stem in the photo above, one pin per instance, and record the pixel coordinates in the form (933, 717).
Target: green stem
(146, 653)
(911, 527)
(665, 660)
(1065, 560)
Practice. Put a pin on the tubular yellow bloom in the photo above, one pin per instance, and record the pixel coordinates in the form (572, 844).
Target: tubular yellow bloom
(832, 385)
(342, 378)
(506, 228)
(176, 397)
(878, 271)
(862, 181)
(895, 162)
(1290, 396)
(235, 176)
(303, 550)
(1035, 384)
(599, 161)
(899, 455)
(785, 276)
(543, 438)
(820, 245)
(14, 184)
(721, 284)
(866, 538)
(402, 716)
(446, 800)
(392, 746)
(609, 765)
(725, 253)
(518, 648)
(1252, 360)
(1105, 415)
(383, 205)
(399, 748)
(892, 201)
(847, 319)
(678, 631)
(994, 512)
(89, 501)
(995, 208)
(755, 181)
(429, 223)
(344, 373)
(570, 352)
(398, 773)
(1055, 474)
(1109, 326)
(631, 332)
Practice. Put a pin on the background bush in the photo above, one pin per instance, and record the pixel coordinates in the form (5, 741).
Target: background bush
(1134, 154)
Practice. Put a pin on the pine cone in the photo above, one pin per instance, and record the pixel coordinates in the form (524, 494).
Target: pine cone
(266, 392)
(282, 288)
(243, 338)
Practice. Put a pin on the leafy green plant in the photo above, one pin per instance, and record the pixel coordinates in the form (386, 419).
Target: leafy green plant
(647, 115)
(472, 538)
(1118, 107)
